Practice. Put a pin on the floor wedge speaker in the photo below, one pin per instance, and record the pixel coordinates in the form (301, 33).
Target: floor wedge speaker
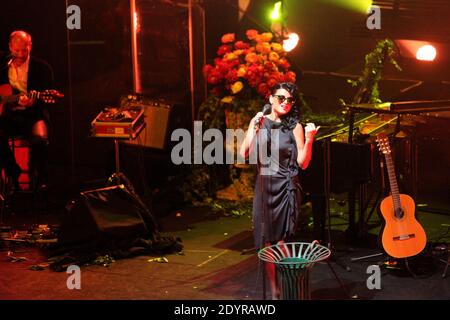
(105, 215)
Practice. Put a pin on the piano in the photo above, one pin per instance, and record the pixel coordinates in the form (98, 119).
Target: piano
(345, 163)
(336, 167)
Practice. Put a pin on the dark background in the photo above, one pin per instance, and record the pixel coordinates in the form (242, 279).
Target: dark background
(93, 68)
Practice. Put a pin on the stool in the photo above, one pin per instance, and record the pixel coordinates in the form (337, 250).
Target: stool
(21, 150)
(293, 261)
(39, 200)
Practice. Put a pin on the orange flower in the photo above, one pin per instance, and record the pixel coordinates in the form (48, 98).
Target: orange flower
(273, 56)
(227, 99)
(238, 52)
(251, 57)
(258, 38)
(230, 56)
(252, 34)
(266, 36)
(242, 71)
(227, 38)
(263, 47)
(277, 47)
(237, 87)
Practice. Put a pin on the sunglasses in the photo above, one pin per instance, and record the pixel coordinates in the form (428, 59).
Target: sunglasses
(282, 98)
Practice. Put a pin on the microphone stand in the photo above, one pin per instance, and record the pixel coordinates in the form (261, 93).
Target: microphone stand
(264, 215)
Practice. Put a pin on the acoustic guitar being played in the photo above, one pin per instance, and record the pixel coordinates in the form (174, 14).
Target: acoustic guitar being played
(402, 236)
(7, 96)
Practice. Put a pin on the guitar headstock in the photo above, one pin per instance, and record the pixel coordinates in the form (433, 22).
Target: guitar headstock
(383, 143)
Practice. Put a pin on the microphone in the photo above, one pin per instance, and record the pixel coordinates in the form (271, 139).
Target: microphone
(11, 58)
(265, 111)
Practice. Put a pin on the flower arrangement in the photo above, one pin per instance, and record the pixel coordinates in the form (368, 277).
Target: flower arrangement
(255, 65)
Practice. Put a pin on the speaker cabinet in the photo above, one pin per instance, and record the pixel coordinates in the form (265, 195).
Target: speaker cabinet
(104, 215)
(157, 120)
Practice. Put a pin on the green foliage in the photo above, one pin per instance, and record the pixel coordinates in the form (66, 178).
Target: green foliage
(233, 208)
(199, 183)
(196, 186)
(212, 110)
(368, 91)
(323, 119)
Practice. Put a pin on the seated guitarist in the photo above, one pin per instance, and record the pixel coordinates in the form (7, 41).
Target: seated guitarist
(27, 118)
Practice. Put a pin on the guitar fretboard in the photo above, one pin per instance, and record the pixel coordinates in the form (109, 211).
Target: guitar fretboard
(393, 181)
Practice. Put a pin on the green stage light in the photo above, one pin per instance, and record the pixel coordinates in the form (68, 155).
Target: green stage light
(276, 12)
(361, 6)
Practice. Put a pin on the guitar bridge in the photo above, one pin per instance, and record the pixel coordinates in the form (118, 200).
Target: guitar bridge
(404, 237)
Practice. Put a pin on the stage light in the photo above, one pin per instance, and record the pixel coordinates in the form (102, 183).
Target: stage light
(354, 5)
(291, 42)
(276, 12)
(426, 53)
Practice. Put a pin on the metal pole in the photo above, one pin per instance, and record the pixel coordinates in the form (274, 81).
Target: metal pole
(137, 85)
(191, 61)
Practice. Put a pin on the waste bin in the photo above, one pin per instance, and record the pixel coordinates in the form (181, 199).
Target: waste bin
(293, 261)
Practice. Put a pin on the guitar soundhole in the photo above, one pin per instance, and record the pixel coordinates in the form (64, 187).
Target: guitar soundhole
(399, 213)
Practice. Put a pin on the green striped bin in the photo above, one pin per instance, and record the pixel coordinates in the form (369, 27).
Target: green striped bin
(293, 261)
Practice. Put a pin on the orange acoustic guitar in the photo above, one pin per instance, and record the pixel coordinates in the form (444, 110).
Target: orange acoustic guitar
(7, 96)
(402, 236)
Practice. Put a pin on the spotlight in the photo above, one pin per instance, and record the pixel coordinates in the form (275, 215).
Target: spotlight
(426, 53)
(420, 50)
(291, 42)
(276, 12)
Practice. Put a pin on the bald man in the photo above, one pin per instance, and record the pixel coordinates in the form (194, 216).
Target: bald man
(24, 73)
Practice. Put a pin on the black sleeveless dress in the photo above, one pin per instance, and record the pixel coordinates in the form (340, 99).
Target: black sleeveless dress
(277, 199)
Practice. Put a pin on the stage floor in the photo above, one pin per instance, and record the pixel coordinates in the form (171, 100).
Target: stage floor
(212, 266)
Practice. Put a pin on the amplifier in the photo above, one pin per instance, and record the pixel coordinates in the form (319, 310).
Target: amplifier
(156, 117)
(124, 123)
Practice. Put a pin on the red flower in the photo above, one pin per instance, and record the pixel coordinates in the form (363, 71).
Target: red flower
(241, 45)
(258, 65)
(223, 49)
(284, 63)
(290, 76)
(232, 76)
(272, 82)
(263, 90)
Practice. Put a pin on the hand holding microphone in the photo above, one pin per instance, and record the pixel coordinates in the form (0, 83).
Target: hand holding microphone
(259, 118)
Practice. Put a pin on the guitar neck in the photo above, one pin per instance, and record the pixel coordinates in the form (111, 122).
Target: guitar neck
(393, 181)
(15, 97)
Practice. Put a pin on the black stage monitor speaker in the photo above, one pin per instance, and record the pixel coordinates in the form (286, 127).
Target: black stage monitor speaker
(157, 119)
(104, 215)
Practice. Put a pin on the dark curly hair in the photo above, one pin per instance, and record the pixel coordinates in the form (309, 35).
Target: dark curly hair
(289, 120)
